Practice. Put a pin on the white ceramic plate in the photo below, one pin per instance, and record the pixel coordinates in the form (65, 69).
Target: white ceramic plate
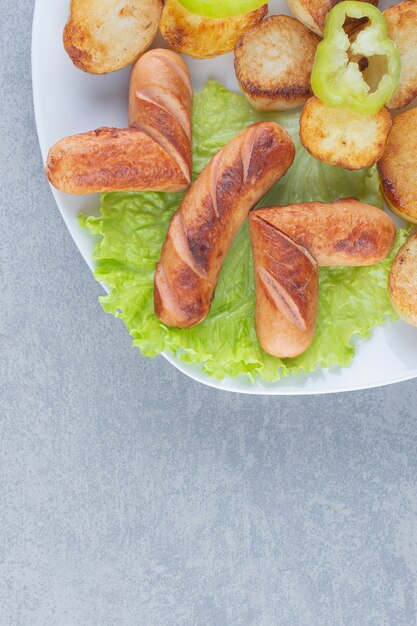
(68, 101)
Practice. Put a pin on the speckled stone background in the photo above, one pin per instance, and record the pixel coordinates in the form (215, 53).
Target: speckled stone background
(131, 496)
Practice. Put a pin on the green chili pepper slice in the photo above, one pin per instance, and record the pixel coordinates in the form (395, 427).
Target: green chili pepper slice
(222, 8)
(337, 79)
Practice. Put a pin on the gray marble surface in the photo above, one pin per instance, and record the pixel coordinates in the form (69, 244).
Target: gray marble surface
(130, 495)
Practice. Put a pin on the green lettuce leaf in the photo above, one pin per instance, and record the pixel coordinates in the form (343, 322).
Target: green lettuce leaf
(132, 228)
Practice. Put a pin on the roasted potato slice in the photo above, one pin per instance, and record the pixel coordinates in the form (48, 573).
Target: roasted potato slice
(398, 166)
(402, 28)
(103, 36)
(273, 63)
(312, 13)
(402, 283)
(203, 37)
(342, 137)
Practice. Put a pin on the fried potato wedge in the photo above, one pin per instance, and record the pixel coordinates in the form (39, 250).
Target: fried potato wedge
(312, 13)
(402, 283)
(203, 37)
(402, 28)
(342, 137)
(103, 36)
(273, 63)
(398, 166)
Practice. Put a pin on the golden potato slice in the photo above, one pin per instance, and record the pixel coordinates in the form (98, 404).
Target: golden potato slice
(398, 166)
(312, 13)
(342, 137)
(106, 35)
(273, 63)
(402, 283)
(203, 37)
(402, 28)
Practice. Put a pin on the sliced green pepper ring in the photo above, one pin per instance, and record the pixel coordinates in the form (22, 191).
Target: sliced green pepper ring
(221, 8)
(337, 78)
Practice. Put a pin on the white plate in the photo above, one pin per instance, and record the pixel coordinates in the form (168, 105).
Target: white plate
(68, 101)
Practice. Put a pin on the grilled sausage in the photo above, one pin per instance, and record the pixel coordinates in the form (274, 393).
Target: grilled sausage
(160, 104)
(153, 155)
(202, 230)
(346, 232)
(111, 159)
(289, 243)
(287, 290)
